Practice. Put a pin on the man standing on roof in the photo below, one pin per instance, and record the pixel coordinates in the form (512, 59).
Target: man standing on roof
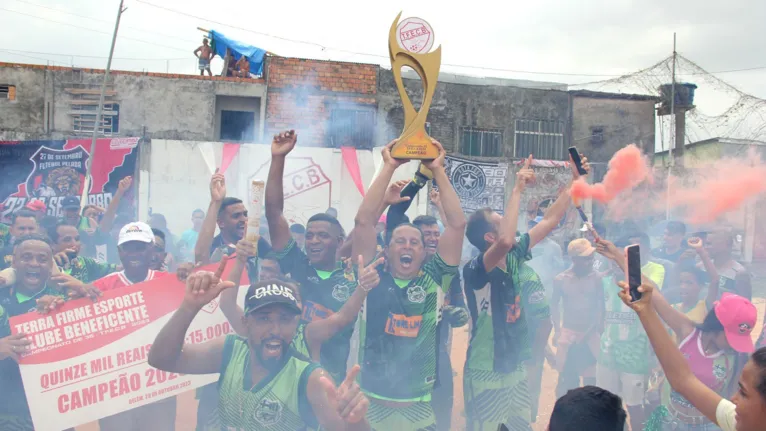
(204, 54)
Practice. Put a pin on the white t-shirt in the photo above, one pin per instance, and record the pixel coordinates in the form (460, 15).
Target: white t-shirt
(726, 416)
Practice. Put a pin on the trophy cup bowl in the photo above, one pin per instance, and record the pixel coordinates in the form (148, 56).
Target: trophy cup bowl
(409, 44)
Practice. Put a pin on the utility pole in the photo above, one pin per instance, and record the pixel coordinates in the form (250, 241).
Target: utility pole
(673, 125)
(97, 125)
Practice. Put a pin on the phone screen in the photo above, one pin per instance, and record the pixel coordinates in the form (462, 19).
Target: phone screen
(633, 253)
(577, 161)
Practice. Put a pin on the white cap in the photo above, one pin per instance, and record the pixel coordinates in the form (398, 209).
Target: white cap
(136, 231)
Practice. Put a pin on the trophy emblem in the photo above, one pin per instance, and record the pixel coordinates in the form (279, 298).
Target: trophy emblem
(409, 44)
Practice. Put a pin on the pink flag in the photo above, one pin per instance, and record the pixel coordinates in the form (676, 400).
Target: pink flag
(229, 153)
(352, 164)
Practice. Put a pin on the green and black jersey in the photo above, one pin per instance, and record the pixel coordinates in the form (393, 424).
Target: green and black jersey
(14, 411)
(277, 403)
(88, 270)
(323, 293)
(398, 333)
(499, 301)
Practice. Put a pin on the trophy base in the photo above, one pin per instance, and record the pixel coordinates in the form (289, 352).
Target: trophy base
(415, 147)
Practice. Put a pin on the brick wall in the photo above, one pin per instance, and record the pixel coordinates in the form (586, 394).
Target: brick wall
(302, 95)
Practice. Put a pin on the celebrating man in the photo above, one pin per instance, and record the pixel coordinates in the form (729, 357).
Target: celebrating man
(23, 223)
(263, 383)
(32, 263)
(230, 214)
(578, 335)
(325, 283)
(66, 249)
(397, 327)
(135, 246)
(499, 343)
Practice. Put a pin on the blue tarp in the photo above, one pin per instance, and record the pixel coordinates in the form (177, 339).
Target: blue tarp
(253, 54)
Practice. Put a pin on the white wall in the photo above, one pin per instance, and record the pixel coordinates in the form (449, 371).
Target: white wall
(175, 180)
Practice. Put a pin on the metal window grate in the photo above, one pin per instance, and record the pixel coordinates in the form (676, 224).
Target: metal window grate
(351, 128)
(543, 139)
(110, 120)
(481, 142)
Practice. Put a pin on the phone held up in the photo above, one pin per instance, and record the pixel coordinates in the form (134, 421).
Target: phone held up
(633, 253)
(577, 161)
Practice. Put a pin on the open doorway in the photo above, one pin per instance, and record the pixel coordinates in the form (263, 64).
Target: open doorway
(237, 126)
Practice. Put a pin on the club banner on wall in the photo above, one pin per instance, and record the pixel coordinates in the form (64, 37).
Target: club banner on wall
(314, 180)
(478, 184)
(89, 359)
(53, 170)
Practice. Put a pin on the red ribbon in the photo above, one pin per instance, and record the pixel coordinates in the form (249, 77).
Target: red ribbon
(352, 164)
(230, 151)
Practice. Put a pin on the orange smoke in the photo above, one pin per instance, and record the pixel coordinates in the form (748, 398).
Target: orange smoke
(718, 187)
(627, 169)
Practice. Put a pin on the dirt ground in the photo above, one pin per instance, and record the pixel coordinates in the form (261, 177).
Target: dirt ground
(187, 405)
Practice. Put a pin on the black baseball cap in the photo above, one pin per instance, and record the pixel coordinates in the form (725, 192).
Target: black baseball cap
(70, 202)
(266, 293)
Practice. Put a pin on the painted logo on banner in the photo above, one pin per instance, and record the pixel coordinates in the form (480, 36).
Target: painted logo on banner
(57, 172)
(50, 171)
(307, 188)
(478, 184)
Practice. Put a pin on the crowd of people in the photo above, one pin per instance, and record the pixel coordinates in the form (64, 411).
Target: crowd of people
(351, 330)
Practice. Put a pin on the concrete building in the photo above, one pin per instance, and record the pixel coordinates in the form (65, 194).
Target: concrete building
(604, 122)
(330, 104)
(58, 102)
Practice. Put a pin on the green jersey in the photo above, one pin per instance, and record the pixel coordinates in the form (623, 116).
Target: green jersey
(499, 301)
(398, 333)
(13, 404)
(88, 270)
(535, 305)
(278, 402)
(322, 294)
(300, 343)
(624, 343)
(5, 235)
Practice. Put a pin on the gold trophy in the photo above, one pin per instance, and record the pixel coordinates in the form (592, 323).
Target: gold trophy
(409, 44)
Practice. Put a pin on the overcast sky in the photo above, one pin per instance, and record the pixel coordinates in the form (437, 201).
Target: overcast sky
(597, 39)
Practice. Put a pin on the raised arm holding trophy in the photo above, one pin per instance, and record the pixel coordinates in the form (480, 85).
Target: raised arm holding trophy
(409, 44)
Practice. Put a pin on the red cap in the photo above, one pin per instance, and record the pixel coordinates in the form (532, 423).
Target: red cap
(738, 317)
(36, 205)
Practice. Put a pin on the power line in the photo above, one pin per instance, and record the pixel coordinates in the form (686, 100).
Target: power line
(235, 27)
(103, 20)
(298, 41)
(92, 56)
(93, 30)
(29, 56)
(324, 48)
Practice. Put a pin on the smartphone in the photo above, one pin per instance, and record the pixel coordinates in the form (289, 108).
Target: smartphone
(577, 161)
(633, 253)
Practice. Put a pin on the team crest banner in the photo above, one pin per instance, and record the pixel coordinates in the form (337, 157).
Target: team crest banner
(478, 184)
(53, 170)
